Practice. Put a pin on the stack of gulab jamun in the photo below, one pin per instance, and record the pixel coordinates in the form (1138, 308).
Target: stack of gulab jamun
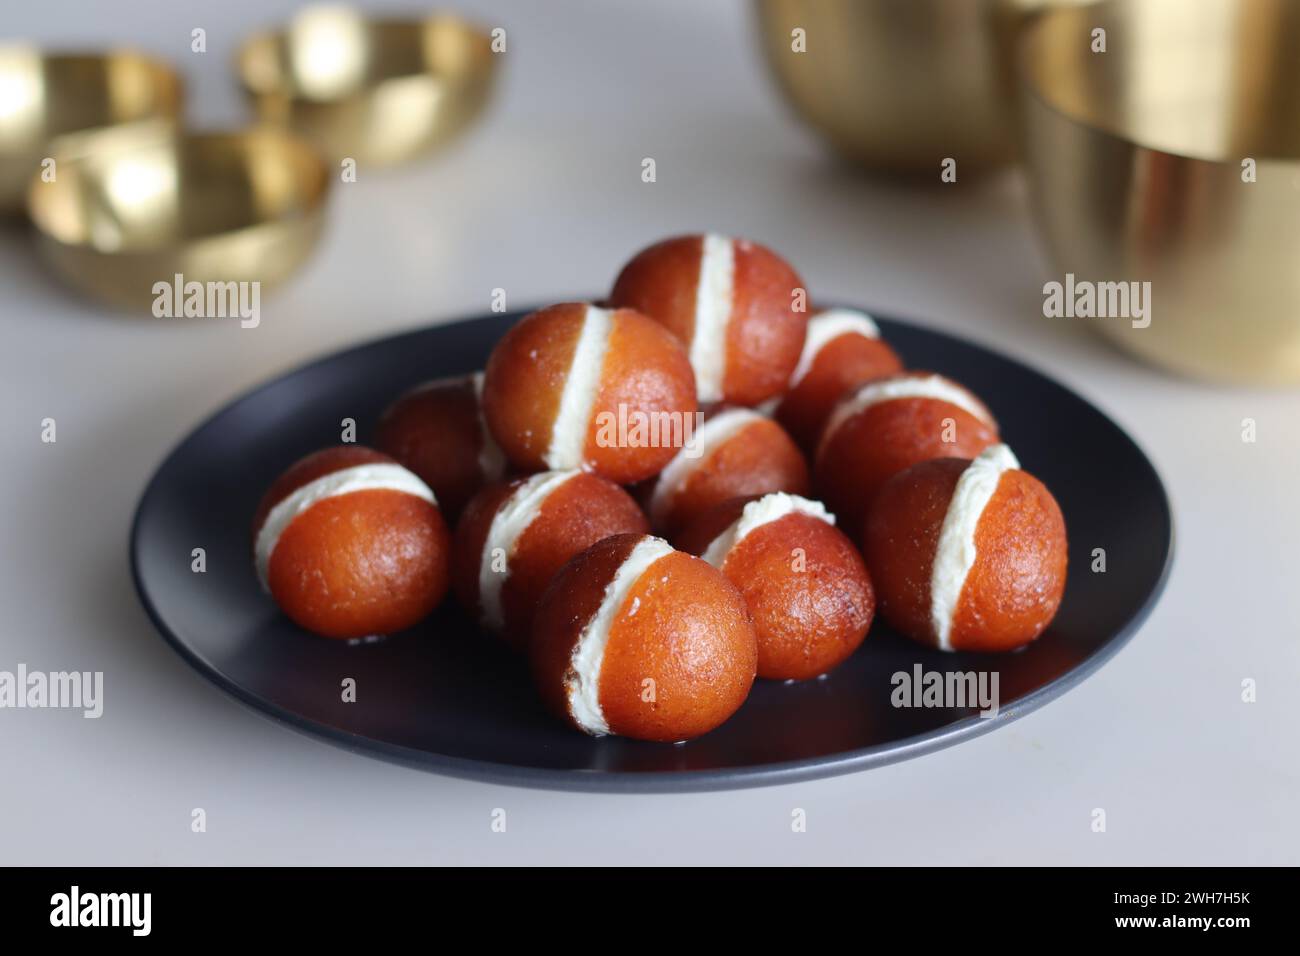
(800, 479)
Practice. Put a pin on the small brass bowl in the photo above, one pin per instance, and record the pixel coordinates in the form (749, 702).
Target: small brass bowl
(131, 208)
(378, 91)
(1140, 160)
(45, 95)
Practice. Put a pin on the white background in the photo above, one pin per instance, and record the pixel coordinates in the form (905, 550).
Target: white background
(545, 200)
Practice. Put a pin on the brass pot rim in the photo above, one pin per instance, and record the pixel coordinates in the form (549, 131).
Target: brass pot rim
(164, 72)
(150, 89)
(77, 52)
(80, 148)
(1031, 83)
(274, 86)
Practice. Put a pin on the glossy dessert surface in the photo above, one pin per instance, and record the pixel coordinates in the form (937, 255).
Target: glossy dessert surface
(455, 703)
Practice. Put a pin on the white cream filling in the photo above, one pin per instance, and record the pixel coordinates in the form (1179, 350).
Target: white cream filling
(760, 512)
(342, 482)
(713, 301)
(707, 438)
(511, 520)
(491, 459)
(581, 386)
(955, 554)
(911, 386)
(583, 687)
(826, 327)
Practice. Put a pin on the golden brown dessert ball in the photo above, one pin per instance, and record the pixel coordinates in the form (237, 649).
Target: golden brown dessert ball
(636, 639)
(437, 430)
(515, 536)
(804, 582)
(738, 306)
(351, 544)
(735, 452)
(577, 386)
(843, 349)
(884, 426)
(968, 555)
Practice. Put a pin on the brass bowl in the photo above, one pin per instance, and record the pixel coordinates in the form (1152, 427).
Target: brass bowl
(901, 85)
(1135, 158)
(132, 208)
(378, 91)
(43, 95)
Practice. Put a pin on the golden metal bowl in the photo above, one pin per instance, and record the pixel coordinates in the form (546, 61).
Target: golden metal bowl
(1141, 161)
(378, 91)
(130, 208)
(900, 85)
(45, 95)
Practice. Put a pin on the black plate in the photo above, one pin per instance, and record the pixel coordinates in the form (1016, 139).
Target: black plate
(447, 698)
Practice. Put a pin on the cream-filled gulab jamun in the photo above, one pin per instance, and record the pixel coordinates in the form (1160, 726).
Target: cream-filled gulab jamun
(514, 537)
(635, 639)
(350, 544)
(882, 427)
(803, 580)
(737, 305)
(578, 386)
(843, 349)
(437, 431)
(967, 555)
(735, 452)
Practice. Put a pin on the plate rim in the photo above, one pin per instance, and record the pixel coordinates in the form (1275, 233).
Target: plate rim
(647, 782)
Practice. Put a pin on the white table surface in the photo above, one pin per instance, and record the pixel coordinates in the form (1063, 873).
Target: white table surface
(545, 200)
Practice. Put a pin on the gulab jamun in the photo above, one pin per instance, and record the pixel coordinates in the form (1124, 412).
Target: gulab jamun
(636, 639)
(737, 305)
(437, 430)
(803, 580)
(514, 536)
(735, 452)
(577, 386)
(968, 555)
(350, 544)
(882, 427)
(843, 349)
